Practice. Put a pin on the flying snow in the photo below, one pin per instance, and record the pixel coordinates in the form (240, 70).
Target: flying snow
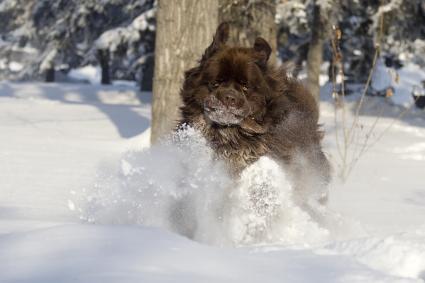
(179, 186)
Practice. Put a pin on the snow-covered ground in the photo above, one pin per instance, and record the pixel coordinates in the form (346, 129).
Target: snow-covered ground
(82, 199)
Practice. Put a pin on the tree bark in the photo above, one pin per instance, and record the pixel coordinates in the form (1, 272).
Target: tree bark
(184, 29)
(50, 74)
(315, 51)
(147, 74)
(103, 57)
(248, 20)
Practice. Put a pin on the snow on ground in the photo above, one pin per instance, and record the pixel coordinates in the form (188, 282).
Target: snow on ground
(80, 192)
(89, 73)
(50, 137)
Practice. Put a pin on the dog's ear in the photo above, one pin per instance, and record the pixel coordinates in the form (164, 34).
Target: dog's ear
(220, 38)
(262, 51)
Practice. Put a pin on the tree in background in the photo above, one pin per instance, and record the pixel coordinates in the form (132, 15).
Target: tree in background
(249, 20)
(403, 39)
(45, 39)
(184, 30)
(38, 37)
(103, 57)
(320, 30)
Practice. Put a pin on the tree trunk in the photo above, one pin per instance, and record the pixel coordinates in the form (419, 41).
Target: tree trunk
(315, 51)
(249, 20)
(103, 57)
(184, 29)
(50, 74)
(147, 74)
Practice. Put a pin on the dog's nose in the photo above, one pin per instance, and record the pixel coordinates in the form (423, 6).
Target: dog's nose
(230, 98)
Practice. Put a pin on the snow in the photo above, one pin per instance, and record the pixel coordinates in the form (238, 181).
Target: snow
(93, 75)
(12, 66)
(141, 22)
(48, 61)
(410, 77)
(404, 81)
(179, 187)
(15, 66)
(381, 77)
(401, 254)
(83, 253)
(88, 73)
(84, 199)
(113, 38)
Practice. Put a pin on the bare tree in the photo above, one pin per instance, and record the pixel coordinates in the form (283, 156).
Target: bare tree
(50, 74)
(319, 31)
(47, 65)
(103, 57)
(184, 30)
(249, 20)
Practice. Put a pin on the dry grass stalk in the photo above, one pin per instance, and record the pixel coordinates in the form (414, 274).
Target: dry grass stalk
(351, 145)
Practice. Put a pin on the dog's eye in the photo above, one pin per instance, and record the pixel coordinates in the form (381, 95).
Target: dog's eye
(215, 84)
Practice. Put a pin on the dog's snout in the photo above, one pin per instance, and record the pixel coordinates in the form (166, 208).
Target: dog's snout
(231, 98)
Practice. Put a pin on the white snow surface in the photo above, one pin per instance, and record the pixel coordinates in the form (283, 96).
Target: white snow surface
(87, 73)
(83, 198)
(404, 81)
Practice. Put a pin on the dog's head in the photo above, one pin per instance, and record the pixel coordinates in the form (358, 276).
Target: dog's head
(232, 85)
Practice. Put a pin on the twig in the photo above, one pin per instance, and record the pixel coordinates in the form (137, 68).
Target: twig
(349, 135)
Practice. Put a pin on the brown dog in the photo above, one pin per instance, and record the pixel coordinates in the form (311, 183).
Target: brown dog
(247, 109)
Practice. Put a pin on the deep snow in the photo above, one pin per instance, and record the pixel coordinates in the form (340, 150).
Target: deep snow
(73, 155)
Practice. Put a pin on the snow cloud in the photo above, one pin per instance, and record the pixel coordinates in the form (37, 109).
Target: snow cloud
(179, 186)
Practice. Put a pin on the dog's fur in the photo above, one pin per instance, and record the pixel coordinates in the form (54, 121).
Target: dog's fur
(246, 109)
